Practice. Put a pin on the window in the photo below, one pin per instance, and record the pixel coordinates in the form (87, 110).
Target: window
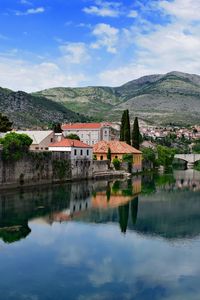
(51, 140)
(81, 152)
(105, 132)
(116, 156)
(87, 152)
(36, 148)
(75, 152)
(101, 157)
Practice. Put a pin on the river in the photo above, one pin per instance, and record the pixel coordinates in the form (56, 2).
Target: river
(135, 239)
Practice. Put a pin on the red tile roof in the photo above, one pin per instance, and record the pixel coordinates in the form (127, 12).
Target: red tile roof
(115, 147)
(70, 143)
(75, 126)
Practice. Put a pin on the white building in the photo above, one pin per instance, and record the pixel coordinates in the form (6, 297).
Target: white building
(77, 149)
(89, 133)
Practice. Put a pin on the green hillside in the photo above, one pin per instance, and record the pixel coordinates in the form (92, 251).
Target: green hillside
(173, 97)
(28, 111)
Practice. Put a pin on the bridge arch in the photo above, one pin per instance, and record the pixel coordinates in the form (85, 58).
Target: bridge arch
(190, 159)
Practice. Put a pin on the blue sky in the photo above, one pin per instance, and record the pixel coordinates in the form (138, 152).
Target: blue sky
(50, 43)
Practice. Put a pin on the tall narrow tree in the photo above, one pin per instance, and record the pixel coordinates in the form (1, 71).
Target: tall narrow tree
(136, 135)
(122, 126)
(5, 124)
(125, 128)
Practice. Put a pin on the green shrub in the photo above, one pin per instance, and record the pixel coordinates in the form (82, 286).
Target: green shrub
(116, 163)
(15, 145)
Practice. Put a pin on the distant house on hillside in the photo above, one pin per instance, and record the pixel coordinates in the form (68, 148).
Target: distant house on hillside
(76, 149)
(148, 144)
(118, 150)
(89, 133)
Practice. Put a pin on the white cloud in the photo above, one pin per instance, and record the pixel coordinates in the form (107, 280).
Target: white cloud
(31, 11)
(188, 10)
(23, 75)
(26, 2)
(104, 9)
(75, 53)
(160, 48)
(107, 36)
(133, 14)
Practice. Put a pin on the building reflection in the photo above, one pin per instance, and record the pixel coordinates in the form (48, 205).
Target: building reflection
(166, 206)
(122, 196)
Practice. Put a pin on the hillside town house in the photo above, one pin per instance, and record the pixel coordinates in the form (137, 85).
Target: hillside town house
(118, 150)
(75, 148)
(89, 133)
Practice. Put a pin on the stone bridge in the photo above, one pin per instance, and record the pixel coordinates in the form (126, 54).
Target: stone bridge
(189, 158)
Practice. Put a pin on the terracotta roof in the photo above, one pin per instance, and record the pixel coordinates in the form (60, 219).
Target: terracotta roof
(115, 147)
(84, 126)
(70, 143)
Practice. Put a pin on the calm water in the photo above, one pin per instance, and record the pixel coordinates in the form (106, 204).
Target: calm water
(136, 239)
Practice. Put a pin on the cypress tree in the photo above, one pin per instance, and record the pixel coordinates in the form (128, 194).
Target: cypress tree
(109, 154)
(136, 135)
(5, 124)
(122, 126)
(127, 129)
(125, 134)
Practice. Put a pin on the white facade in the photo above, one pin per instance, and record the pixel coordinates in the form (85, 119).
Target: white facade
(90, 136)
(75, 152)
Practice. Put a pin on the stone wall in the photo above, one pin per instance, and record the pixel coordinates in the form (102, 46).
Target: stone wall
(100, 166)
(43, 167)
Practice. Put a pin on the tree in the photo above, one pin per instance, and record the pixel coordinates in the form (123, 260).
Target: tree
(73, 136)
(149, 155)
(123, 217)
(109, 154)
(136, 135)
(57, 128)
(15, 145)
(5, 124)
(127, 129)
(125, 134)
(122, 126)
(116, 163)
(165, 155)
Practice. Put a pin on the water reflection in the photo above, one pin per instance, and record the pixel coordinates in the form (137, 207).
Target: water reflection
(136, 239)
(166, 206)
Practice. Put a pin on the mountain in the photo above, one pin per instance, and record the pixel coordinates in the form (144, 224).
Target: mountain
(161, 99)
(28, 111)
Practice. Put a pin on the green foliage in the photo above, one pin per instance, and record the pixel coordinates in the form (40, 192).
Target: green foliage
(197, 166)
(165, 155)
(196, 148)
(123, 217)
(57, 128)
(128, 158)
(15, 233)
(134, 210)
(109, 154)
(5, 124)
(149, 155)
(116, 163)
(136, 135)
(94, 157)
(73, 136)
(125, 132)
(116, 187)
(15, 145)
(60, 168)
